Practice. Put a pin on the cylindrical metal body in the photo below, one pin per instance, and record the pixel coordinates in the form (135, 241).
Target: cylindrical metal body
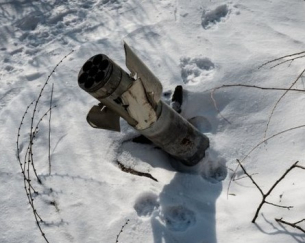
(101, 77)
(114, 88)
(177, 136)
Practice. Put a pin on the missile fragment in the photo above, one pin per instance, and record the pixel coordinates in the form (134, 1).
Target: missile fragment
(136, 97)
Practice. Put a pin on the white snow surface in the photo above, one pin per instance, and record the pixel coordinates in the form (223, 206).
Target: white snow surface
(199, 44)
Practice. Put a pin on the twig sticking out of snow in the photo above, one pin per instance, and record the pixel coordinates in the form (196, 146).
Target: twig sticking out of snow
(117, 237)
(278, 101)
(134, 172)
(257, 146)
(289, 60)
(294, 225)
(34, 112)
(265, 195)
(292, 57)
(51, 99)
(279, 61)
(247, 86)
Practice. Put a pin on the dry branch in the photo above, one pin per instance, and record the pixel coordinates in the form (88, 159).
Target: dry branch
(254, 148)
(247, 86)
(294, 225)
(290, 60)
(51, 99)
(35, 109)
(134, 172)
(265, 195)
(281, 58)
(279, 100)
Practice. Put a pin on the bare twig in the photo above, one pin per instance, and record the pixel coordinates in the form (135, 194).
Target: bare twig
(279, 206)
(117, 237)
(256, 87)
(294, 225)
(280, 58)
(300, 221)
(267, 139)
(243, 177)
(250, 177)
(265, 195)
(28, 159)
(246, 86)
(257, 146)
(278, 101)
(51, 99)
(289, 60)
(216, 107)
(35, 109)
(134, 172)
(27, 178)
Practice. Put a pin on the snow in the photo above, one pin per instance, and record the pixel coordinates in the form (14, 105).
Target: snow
(200, 44)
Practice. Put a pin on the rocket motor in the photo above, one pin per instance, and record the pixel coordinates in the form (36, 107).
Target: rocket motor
(136, 97)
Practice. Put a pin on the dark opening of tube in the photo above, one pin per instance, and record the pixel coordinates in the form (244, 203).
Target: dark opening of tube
(104, 64)
(89, 83)
(87, 66)
(99, 77)
(97, 59)
(83, 78)
(93, 71)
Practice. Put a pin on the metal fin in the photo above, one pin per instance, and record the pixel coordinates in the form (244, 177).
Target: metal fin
(104, 118)
(152, 85)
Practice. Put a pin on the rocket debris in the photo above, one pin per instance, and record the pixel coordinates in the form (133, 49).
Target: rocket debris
(136, 97)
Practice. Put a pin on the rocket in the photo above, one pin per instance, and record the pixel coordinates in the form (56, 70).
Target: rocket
(136, 97)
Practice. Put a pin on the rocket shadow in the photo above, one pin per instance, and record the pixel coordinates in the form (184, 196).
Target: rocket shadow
(186, 206)
(143, 155)
(187, 211)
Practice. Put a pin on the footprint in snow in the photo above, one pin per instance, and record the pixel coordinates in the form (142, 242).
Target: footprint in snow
(178, 218)
(33, 76)
(29, 22)
(195, 70)
(212, 17)
(213, 169)
(7, 97)
(146, 204)
(202, 124)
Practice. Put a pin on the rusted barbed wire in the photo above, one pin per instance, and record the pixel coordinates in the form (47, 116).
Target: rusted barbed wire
(27, 166)
(117, 237)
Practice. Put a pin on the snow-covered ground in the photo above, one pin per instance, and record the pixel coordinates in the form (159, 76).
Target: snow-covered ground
(200, 44)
